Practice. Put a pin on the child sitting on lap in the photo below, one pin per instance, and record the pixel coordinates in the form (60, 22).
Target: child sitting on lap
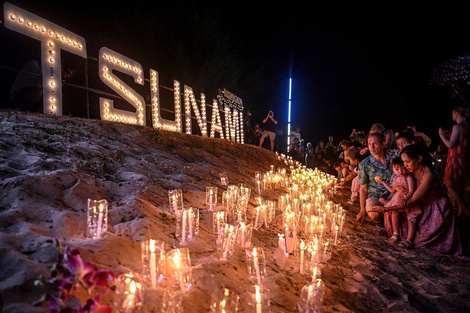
(403, 184)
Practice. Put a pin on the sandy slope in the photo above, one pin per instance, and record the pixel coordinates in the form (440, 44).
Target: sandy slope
(50, 165)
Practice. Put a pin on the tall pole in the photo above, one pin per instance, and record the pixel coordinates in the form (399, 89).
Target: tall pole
(288, 114)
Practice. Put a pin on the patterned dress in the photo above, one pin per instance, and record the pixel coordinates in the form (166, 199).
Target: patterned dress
(437, 229)
(457, 164)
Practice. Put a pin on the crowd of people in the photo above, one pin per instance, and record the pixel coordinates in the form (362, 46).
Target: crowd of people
(416, 197)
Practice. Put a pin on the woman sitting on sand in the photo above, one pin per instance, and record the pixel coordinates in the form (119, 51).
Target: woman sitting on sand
(437, 229)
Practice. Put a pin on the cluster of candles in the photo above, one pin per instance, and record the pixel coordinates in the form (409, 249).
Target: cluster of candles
(312, 226)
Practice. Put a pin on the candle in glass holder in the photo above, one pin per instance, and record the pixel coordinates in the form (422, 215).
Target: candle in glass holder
(130, 298)
(153, 264)
(183, 228)
(302, 256)
(100, 221)
(259, 306)
(128, 294)
(227, 243)
(211, 197)
(336, 235)
(257, 217)
(97, 218)
(256, 265)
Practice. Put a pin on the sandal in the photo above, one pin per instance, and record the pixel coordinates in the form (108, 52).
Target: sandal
(406, 244)
(395, 239)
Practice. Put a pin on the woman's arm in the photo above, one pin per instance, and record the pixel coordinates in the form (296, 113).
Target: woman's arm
(422, 189)
(454, 137)
(411, 186)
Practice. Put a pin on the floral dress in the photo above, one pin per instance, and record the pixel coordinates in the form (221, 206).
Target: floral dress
(457, 164)
(437, 229)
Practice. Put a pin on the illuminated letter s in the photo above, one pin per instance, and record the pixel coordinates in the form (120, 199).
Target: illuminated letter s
(110, 60)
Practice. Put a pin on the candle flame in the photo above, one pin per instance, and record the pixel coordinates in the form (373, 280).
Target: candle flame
(132, 287)
(255, 253)
(258, 294)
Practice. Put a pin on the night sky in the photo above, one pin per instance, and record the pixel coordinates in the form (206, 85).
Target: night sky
(352, 65)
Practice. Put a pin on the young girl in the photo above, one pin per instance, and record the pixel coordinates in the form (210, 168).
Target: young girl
(403, 184)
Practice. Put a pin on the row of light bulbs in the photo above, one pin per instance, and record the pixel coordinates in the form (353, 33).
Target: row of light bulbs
(53, 37)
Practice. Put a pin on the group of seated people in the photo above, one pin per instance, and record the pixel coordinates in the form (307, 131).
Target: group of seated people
(394, 178)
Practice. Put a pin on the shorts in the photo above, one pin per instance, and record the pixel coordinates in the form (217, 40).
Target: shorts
(271, 134)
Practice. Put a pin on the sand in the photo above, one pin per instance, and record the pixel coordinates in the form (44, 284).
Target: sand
(50, 166)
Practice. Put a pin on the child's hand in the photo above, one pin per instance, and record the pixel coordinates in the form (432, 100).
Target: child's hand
(379, 179)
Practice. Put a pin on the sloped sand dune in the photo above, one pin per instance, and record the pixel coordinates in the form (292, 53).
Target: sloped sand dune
(49, 166)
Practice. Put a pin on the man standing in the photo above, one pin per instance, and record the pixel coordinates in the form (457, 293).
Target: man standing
(375, 166)
(269, 126)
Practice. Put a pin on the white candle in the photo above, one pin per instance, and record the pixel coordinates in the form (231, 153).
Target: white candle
(256, 263)
(324, 251)
(301, 257)
(242, 239)
(227, 243)
(336, 234)
(258, 300)
(266, 208)
(175, 207)
(100, 221)
(190, 223)
(183, 229)
(257, 217)
(295, 236)
(130, 298)
(314, 276)
(321, 232)
(210, 199)
(309, 297)
(341, 225)
(153, 263)
(176, 260)
(286, 237)
(218, 222)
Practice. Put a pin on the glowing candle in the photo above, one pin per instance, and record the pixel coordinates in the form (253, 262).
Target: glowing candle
(218, 222)
(314, 276)
(258, 300)
(301, 257)
(286, 237)
(314, 254)
(176, 260)
(210, 199)
(257, 217)
(321, 232)
(190, 224)
(309, 297)
(100, 221)
(242, 239)
(153, 263)
(341, 225)
(183, 229)
(174, 203)
(130, 298)
(336, 234)
(255, 261)
(324, 251)
(227, 243)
